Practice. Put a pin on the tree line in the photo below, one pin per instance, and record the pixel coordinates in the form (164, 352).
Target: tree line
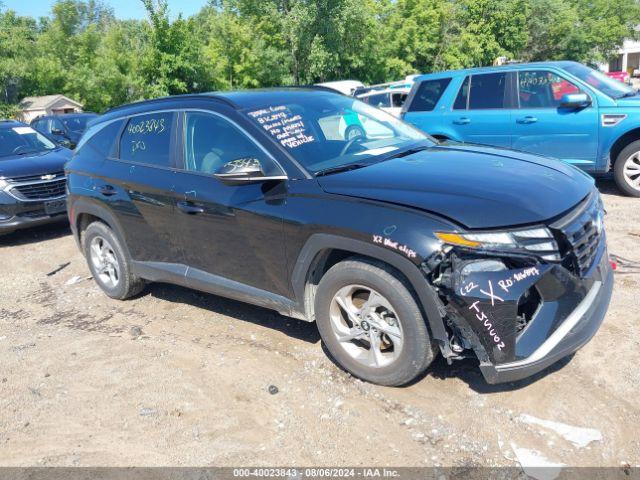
(83, 51)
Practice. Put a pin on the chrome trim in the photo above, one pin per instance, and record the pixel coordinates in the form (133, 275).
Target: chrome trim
(612, 119)
(556, 337)
(11, 185)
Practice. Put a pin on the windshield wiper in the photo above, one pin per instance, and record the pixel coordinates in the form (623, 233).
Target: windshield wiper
(340, 168)
(407, 152)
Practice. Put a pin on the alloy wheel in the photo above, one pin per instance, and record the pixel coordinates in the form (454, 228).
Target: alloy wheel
(104, 261)
(366, 326)
(632, 171)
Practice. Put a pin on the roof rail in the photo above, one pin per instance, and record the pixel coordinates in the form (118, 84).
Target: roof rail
(170, 97)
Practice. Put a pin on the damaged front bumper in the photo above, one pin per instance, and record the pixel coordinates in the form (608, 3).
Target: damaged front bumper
(519, 321)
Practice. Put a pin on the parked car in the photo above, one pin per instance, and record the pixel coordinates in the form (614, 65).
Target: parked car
(620, 76)
(64, 129)
(32, 181)
(560, 109)
(389, 99)
(345, 87)
(397, 247)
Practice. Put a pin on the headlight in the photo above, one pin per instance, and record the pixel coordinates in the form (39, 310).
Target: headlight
(538, 241)
(3, 183)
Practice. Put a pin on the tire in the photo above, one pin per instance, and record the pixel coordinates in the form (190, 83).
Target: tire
(121, 286)
(411, 350)
(628, 157)
(353, 131)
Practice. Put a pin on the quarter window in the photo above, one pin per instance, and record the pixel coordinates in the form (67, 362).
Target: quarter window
(428, 94)
(487, 91)
(540, 89)
(147, 139)
(210, 141)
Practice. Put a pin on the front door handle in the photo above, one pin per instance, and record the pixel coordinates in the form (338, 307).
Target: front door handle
(462, 121)
(190, 208)
(107, 190)
(527, 120)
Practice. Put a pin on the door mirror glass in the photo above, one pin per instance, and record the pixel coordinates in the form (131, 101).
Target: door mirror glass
(575, 100)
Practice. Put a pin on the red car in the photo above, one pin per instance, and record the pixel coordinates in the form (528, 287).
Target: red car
(620, 76)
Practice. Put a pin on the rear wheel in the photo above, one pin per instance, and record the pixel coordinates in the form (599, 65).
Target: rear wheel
(109, 263)
(626, 169)
(371, 324)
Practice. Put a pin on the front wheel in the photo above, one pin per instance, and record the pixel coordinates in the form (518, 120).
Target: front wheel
(371, 324)
(626, 170)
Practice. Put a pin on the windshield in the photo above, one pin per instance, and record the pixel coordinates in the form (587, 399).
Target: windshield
(23, 141)
(330, 131)
(77, 124)
(609, 86)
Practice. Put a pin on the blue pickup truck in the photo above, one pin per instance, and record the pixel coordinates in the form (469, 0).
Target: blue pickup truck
(559, 109)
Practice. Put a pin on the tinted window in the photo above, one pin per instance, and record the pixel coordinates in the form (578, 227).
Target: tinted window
(77, 124)
(487, 91)
(103, 142)
(398, 99)
(380, 100)
(428, 95)
(540, 89)
(211, 141)
(463, 95)
(147, 139)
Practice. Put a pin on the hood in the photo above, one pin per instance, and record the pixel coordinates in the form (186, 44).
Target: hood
(629, 101)
(478, 187)
(41, 163)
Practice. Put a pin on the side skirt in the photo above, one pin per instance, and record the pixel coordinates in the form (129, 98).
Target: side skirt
(189, 277)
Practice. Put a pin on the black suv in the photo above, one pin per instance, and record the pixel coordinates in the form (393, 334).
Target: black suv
(32, 182)
(396, 246)
(66, 129)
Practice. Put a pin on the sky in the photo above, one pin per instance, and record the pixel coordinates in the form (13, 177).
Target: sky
(123, 9)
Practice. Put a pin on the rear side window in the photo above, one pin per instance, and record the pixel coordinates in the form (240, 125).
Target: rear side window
(380, 100)
(147, 139)
(487, 91)
(463, 96)
(103, 142)
(428, 95)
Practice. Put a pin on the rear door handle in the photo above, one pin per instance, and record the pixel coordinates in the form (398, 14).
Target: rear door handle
(190, 208)
(527, 119)
(107, 190)
(462, 121)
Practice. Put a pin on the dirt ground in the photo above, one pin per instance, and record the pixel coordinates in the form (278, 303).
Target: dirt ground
(177, 377)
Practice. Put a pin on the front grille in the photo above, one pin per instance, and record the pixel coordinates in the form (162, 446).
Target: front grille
(581, 231)
(43, 190)
(35, 178)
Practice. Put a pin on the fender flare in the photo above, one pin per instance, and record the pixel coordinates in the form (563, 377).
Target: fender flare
(320, 242)
(83, 206)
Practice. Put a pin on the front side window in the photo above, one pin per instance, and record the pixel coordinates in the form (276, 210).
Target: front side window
(23, 140)
(428, 94)
(542, 89)
(101, 143)
(325, 131)
(77, 124)
(398, 99)
(210, 141)
(147, 139)
(488, 91)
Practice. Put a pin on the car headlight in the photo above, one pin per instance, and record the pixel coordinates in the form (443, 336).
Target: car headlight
(538, 241)
(3, 183)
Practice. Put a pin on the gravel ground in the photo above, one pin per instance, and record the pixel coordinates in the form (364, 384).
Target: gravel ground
(177, 377)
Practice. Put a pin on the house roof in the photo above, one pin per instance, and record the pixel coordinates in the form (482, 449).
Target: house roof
(41, 103)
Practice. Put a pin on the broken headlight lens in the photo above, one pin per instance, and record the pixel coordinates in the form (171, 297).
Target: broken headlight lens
(538, 241)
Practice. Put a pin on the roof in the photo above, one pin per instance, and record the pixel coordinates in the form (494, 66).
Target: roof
(41, 103)
(508, 66)
(378, 91)
(239, 99)
(11, 124)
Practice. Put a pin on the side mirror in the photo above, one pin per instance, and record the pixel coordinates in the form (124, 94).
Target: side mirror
(242, 171)
(575, 100)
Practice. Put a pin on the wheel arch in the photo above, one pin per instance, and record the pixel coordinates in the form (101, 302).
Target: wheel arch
(622, 142)
(83, 213)
(322, 251)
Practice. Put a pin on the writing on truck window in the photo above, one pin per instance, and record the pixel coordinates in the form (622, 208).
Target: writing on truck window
(285, 126)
